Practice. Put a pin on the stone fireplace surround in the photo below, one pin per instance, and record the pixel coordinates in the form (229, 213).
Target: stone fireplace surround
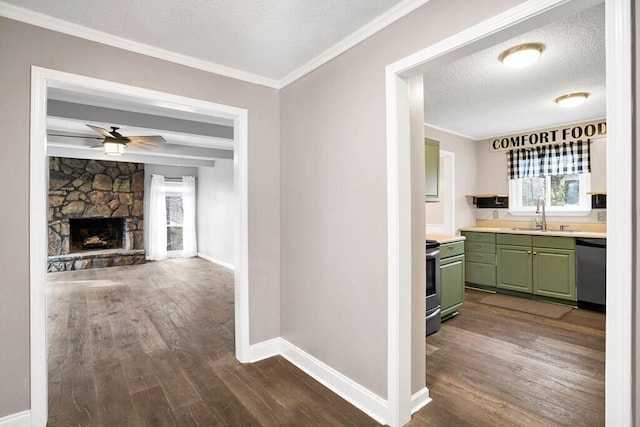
(81, 188)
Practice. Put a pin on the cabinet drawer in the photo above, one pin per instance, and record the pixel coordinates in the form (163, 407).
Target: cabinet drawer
(482, 274)
(475, 236)
(514, 239)
(451, 249)
(554, 242)
(481, 257)
(489, 248)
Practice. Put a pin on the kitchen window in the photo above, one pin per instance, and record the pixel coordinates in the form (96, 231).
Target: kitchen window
(563, 194)
(559, 174)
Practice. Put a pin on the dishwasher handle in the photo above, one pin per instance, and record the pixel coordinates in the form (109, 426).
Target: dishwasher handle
(592, 243)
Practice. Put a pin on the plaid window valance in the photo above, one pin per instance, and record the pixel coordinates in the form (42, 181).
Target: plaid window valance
(563, 159)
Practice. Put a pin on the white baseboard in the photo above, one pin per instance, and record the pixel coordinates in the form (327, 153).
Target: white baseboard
(360, 397)
(19, 419)
(265, 349)
(216, 261)
(419, 400)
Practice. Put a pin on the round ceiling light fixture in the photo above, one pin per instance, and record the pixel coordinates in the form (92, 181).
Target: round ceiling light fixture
(522, 55)
(572, 99)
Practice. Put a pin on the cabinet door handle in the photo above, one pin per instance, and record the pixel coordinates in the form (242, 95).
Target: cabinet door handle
(528, 252)
(535, 253)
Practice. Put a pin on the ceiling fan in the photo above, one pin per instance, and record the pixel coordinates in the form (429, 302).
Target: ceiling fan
(114, 143)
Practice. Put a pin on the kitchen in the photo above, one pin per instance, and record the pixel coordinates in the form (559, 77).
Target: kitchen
(519, 249)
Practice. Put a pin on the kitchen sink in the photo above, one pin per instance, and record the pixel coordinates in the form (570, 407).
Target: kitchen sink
(540, 231)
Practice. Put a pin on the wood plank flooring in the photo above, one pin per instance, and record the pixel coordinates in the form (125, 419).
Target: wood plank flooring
(491, 366)
(153, 345)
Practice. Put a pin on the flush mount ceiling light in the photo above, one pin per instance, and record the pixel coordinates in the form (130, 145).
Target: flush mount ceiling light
(522, 55)
(572, 99)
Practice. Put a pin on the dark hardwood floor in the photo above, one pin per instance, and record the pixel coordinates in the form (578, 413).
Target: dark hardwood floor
(153, 345)
(491, 366)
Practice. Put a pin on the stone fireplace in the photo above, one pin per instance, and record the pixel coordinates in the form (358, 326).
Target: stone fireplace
(95, 214)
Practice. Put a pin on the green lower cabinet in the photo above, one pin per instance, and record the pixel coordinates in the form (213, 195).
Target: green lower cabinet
(554, 273)
(452, 284)
(480, 274)
(514, 268)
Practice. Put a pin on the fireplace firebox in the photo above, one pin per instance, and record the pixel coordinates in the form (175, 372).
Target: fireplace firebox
(89, 234)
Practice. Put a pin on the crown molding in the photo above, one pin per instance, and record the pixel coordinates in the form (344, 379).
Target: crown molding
(55, 24)
(390, 16)
(441, 129)
(45, 21)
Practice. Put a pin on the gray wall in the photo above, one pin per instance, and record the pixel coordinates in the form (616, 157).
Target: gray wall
(166, 171)
(333, 194)
(22, 46)
(216, 211)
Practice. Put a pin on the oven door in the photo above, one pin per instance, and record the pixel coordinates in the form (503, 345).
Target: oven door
(433, 290)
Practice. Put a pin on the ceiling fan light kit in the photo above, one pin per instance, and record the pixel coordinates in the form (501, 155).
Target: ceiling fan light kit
(522, 55)
(572, 99)
(113, 148)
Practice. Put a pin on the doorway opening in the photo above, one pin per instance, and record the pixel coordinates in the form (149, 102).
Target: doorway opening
(442, 214)
(44, 80)
(620, 266)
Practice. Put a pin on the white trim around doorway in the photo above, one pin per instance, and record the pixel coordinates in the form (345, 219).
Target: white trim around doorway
(517, 20)
(41, 80)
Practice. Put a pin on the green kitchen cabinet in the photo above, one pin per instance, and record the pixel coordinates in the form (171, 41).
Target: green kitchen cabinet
(538, 265)
(514, 268)
(432, 169)
(480, 259)
(452, 284)
(554, 273)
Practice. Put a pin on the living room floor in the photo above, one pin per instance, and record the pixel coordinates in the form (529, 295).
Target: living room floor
(153, 345)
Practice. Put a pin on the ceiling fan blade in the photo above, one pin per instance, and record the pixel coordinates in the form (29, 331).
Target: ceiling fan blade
(75, 136)
(143, 139)
(97, 146)
(143, 143)
(101, 131)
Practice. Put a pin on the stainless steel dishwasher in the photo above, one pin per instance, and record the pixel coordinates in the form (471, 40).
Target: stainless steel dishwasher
(591, 273)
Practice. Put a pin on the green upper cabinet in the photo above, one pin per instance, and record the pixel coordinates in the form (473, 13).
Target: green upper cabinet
(432, 169)
(514, 268)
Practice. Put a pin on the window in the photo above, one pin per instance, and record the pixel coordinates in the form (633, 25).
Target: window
(175, 217)
(563, 194)
(559, 174)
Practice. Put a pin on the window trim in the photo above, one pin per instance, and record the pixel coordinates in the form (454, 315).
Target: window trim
(584, 209)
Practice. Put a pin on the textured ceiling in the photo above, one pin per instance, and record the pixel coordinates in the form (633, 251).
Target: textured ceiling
(270, 38)
(479, 97)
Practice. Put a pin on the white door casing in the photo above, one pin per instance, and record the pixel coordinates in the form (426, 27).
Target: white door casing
(621, 231)
(41, 80)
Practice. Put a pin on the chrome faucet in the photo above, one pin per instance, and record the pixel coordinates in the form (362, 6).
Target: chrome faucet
(543, 223)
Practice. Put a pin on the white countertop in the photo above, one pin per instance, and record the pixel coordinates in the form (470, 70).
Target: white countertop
(441, 238)
(562, 233)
